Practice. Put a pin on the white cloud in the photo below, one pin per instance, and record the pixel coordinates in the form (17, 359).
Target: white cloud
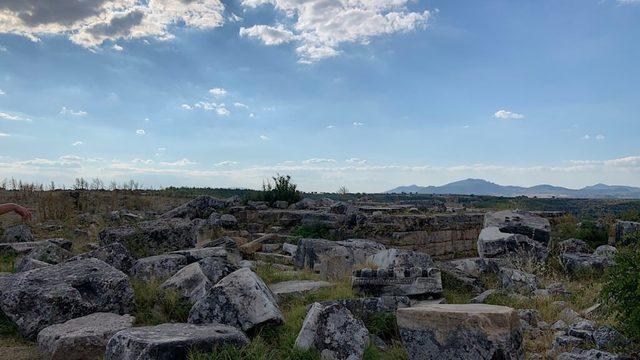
(507, 115)
(2, 92)
(358, 124)
(142, 161)
(269, 35)
(600, 137)
(77, 143)
(117, 47)
(140, 132)
(355, 161)
(186, 106)
(226, 163)
(318, 161)
(240, 105)
(179, 163)
(218, 92)
(4, 135)
(3, 49)
(222, 110)
(320, 27)
(264, 137)
(91, 23)
(252, 115)
(330, 126)
(586, 137)
(12, 117)
(161, 149)
(66, 111)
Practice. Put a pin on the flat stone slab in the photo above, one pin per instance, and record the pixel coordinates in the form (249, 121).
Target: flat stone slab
(82, 338)
(297, 287)
(461, 331)
(171, 341)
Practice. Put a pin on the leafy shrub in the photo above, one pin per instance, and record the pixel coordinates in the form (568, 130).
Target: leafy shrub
(313, 231)
(282, 189)
(592, 234)
(621, 290)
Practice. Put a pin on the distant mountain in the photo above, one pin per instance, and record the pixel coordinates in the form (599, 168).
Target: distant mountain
(483, 187)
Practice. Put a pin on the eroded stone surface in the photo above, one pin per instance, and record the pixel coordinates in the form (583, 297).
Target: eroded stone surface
(38, 298)
(171, 341)
(470, 331)
(241, 299)
(333, 332)
(81, 338)
(520, 222)
(114, 254)
(159, 266)
(297, 287)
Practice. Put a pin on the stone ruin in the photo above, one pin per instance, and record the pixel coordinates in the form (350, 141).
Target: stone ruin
(413, 282)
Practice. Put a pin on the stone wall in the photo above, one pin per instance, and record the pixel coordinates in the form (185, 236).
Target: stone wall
(443, 236)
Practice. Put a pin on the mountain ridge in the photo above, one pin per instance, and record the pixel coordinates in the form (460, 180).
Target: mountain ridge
(484, 187)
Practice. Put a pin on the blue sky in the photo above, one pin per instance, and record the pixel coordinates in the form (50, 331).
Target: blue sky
(366, 94)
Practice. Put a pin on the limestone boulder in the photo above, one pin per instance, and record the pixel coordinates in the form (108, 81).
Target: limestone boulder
(27, 264)
(607, 337)
(468, 331)
(516, 280)
(492, 243)
(241, 299)
(520, 222)
(578, 262)
(625, 228)
(49, 253)
(152, 237)
(159, 266)
(353, 251)
(53, 294)
(114, 254)
(171, 341)
(333, 332)
(395, 258)
(592, 354)
(297, 287)
(17, 233)
(574, 246)
(368, 308)
(216, 268)
(190, 282)
(606, 251)
(81, 338)
(199, 208)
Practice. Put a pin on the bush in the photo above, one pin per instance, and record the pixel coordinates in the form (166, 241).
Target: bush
(312, 231)
(282, 189)
(621, 290)
(592, 234)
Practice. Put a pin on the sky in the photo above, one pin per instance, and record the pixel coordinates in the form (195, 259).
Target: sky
(366, 94)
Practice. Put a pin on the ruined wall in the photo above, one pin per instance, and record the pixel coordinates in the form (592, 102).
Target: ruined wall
(443, 236)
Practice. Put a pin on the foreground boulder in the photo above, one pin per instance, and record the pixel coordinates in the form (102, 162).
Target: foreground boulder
(53, 294)
(470, 331)
(333, 332)
(27, 264)
(114, 254)
(520, 222)
(592, 354)
(152, 237)
(494, 243)
(81, 338)
(26, 247)
(190, 282)
(171, 341)
(241, 299)
(18, 233)
(516, 280)
(159, 266)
